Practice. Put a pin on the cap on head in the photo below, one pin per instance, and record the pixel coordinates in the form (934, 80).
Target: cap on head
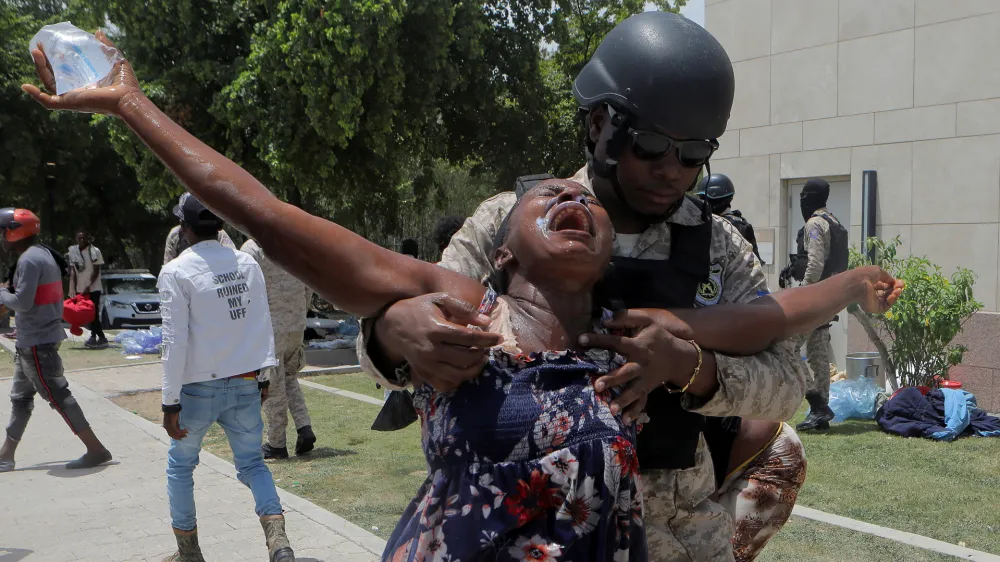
(665, 70)
(19, 224)
(193, 213)
(715, 187)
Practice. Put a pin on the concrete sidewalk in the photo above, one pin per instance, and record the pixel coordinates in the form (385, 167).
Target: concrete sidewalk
(119, 511)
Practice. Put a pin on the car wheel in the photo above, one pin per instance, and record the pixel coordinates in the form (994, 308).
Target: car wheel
(105, 321)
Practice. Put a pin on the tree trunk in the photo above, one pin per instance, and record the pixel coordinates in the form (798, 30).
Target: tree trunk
(883, 351)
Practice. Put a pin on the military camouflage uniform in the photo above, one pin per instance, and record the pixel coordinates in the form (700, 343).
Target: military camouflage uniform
(177, 243)
(289, 300)
(682, 523)
(819, 352)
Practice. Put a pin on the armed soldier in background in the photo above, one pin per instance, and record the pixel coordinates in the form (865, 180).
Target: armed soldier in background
(822, 251)
(718, 191)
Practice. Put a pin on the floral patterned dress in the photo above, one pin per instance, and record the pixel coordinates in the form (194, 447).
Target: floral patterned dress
(525, 463)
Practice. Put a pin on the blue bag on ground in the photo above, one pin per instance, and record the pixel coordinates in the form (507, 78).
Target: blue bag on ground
(854, 399)
(140, 342)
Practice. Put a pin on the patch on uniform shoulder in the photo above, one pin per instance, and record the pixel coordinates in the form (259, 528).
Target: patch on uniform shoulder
(710, 290)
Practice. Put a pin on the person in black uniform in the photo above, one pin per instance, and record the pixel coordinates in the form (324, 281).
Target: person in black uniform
(717, 190)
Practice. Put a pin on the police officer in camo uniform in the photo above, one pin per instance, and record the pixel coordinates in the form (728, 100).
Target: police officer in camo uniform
(288, 299)
(822, 251)
(654, 98)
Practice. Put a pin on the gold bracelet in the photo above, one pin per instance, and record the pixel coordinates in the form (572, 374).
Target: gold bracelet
(694, 375)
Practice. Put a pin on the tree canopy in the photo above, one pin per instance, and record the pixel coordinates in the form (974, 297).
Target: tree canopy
(380, 114)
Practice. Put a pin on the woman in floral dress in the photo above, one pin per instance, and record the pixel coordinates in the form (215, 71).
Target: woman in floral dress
(527, 462)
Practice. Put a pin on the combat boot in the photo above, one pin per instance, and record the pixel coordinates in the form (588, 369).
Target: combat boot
(278, 547)
(271, 453)
(819, 416)
(187, 548)
(306, 440)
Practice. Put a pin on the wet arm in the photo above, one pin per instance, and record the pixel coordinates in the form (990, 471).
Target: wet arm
(358, 276)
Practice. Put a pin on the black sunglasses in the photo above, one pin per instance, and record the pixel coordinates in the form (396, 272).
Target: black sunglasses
(650, 146)
(647, 145)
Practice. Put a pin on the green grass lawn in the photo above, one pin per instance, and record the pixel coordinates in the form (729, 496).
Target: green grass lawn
(355, 382)
(6, 363)
(803, 539)
(76, 356)
(947, 491)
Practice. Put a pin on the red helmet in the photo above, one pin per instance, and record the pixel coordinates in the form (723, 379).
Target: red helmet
(18, 224)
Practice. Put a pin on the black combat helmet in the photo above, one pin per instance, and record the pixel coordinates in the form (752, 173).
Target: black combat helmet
(716, 187)
(665, 70)
(659, 69)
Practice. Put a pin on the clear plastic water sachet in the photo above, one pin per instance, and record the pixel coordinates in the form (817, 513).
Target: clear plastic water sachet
(78, 58)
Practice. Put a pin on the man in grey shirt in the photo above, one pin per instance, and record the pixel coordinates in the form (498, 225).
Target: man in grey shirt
(35, 295)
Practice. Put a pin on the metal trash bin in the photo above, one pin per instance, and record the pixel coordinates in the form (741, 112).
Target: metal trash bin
(866, 364)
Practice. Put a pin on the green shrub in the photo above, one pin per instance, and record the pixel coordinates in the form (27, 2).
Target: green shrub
(914, 337)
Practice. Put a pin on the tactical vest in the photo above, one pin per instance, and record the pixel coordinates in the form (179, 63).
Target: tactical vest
(836, 261)
(670, 439)
(745, 229)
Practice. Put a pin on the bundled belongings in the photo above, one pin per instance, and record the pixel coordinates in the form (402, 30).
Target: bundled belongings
(78, 311)
(943, 414)
(853, 399)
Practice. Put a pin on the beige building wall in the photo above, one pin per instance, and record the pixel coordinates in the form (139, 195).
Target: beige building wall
(909, 88)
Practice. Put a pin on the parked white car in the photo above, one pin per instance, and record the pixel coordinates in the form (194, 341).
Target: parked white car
(130, 300)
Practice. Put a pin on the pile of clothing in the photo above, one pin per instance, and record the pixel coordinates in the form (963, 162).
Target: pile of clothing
(943, 414)
(334, 334)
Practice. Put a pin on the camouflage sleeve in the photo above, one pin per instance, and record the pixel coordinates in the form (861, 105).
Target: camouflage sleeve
(769, 385)
(817, 242)
(225, 240)
(469, 253)
(170, 249)
(252, 249)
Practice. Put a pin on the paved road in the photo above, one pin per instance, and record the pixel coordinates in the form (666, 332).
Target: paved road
(119, 511)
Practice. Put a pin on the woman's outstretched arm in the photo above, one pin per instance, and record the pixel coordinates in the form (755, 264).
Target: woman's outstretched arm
(356, 275)
(745, 329)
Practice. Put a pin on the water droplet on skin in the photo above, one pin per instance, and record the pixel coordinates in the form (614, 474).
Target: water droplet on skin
(543, 225)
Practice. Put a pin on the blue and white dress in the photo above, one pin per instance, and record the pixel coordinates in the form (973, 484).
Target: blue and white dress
(525, 462)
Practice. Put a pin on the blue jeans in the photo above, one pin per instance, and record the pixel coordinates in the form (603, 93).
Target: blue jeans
(235, 404)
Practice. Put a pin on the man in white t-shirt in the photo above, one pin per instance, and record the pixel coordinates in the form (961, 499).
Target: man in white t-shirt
(85, 278)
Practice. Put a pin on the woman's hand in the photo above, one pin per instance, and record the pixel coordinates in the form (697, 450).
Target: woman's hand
(881, 289)
(107, 96)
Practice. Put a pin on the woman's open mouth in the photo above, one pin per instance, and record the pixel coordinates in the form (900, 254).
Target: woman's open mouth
(571, 217)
